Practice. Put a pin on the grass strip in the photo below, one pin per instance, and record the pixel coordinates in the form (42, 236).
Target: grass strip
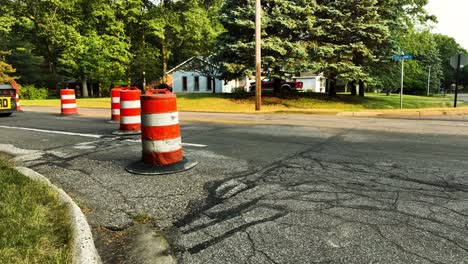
(35, 225)
(245, 103)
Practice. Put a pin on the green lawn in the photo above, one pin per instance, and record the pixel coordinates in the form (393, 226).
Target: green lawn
(295, 102)
(34, 226)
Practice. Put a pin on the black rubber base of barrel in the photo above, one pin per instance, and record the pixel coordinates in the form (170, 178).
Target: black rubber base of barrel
(146, 169)
(126, 133)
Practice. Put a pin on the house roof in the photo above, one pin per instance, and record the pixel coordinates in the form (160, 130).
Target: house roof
(199, 58)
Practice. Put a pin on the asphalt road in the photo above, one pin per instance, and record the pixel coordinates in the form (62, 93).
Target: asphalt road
(276, 189)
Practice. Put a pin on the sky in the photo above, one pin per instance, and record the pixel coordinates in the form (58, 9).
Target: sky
(453, 19)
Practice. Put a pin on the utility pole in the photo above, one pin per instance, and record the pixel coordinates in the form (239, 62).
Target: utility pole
(402, 79)
(258, 55)
(429, 81)
(456, 80)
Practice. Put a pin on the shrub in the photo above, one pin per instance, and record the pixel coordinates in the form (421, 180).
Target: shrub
(240, 93)
(30, 92)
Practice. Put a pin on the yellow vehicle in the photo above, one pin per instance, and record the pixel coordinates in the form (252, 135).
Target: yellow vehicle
(7, 100)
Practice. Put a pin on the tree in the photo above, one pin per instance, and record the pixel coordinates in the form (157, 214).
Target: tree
(424, 47)
(5, 68)
(402, 17)
(6, 23)
(464, 77)
(183, 29)
(346, 39)
(448, 48)
(286, 25)
(97, 47)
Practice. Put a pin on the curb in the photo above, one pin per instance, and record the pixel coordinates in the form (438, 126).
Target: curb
(83, 248)
(320, 112)
(406, 113)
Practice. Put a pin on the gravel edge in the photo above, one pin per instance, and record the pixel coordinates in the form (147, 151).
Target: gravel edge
(83, 249)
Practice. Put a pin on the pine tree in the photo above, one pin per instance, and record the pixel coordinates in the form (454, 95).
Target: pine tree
(346, 40)
(286, 24)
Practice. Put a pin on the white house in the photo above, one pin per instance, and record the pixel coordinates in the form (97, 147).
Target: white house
(313, 82)
(198, 75)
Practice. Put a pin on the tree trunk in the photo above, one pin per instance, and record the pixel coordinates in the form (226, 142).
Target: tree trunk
(361, 88)
(84, 86)
(353, 88)
(214, 85)
(99, 90)
(327, 85)
(332, 89)
(92, 89)
(165, 59)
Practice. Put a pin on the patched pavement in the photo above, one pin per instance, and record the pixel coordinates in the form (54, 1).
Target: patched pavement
(334, 206)
(367, 192)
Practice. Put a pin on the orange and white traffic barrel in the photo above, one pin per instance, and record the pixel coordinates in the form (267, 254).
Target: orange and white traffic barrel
(18, 105)
(115, 103)
(161, 138)
(130, 112)
(68, 102)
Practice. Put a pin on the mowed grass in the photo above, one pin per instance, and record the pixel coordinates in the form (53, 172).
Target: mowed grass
(35, 226)
(271, 103)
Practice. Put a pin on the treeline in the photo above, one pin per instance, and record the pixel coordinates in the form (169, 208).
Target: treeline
(103, 43)
(352, 40)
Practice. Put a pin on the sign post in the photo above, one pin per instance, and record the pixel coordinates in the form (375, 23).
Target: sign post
(429, 82)
(402, 57)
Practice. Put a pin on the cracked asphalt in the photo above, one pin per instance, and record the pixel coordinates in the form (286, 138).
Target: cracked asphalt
(311, 190)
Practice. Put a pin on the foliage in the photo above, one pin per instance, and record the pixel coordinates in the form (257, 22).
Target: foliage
(28, 65)
(124, 41)
(105, 41)
(424, 48)
(349, 35)
(285, 27)
(448, 48)
(240, 93)
(464, 77)
(5, 68)
(30, 92)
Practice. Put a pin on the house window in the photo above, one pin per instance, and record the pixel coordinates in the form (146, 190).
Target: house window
(184, 83)
(197, 83)
(209, 82)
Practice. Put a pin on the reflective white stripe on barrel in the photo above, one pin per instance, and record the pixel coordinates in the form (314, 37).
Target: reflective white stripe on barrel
(159, 120)
(128, 120)
(130, 104)
(68, 106)
(162, 146)
(115, 100)
(67, 96)
(116, 111)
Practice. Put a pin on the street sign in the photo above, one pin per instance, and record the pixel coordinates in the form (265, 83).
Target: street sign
(463, 62)
(403, 57)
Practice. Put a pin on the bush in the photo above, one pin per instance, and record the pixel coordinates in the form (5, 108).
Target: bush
(240, 93)
(30, 92)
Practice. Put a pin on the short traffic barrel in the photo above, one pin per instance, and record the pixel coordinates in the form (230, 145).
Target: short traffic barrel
(130, 111)
(160, 135)
(68, 102)
(115, 103)
(18, 105)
